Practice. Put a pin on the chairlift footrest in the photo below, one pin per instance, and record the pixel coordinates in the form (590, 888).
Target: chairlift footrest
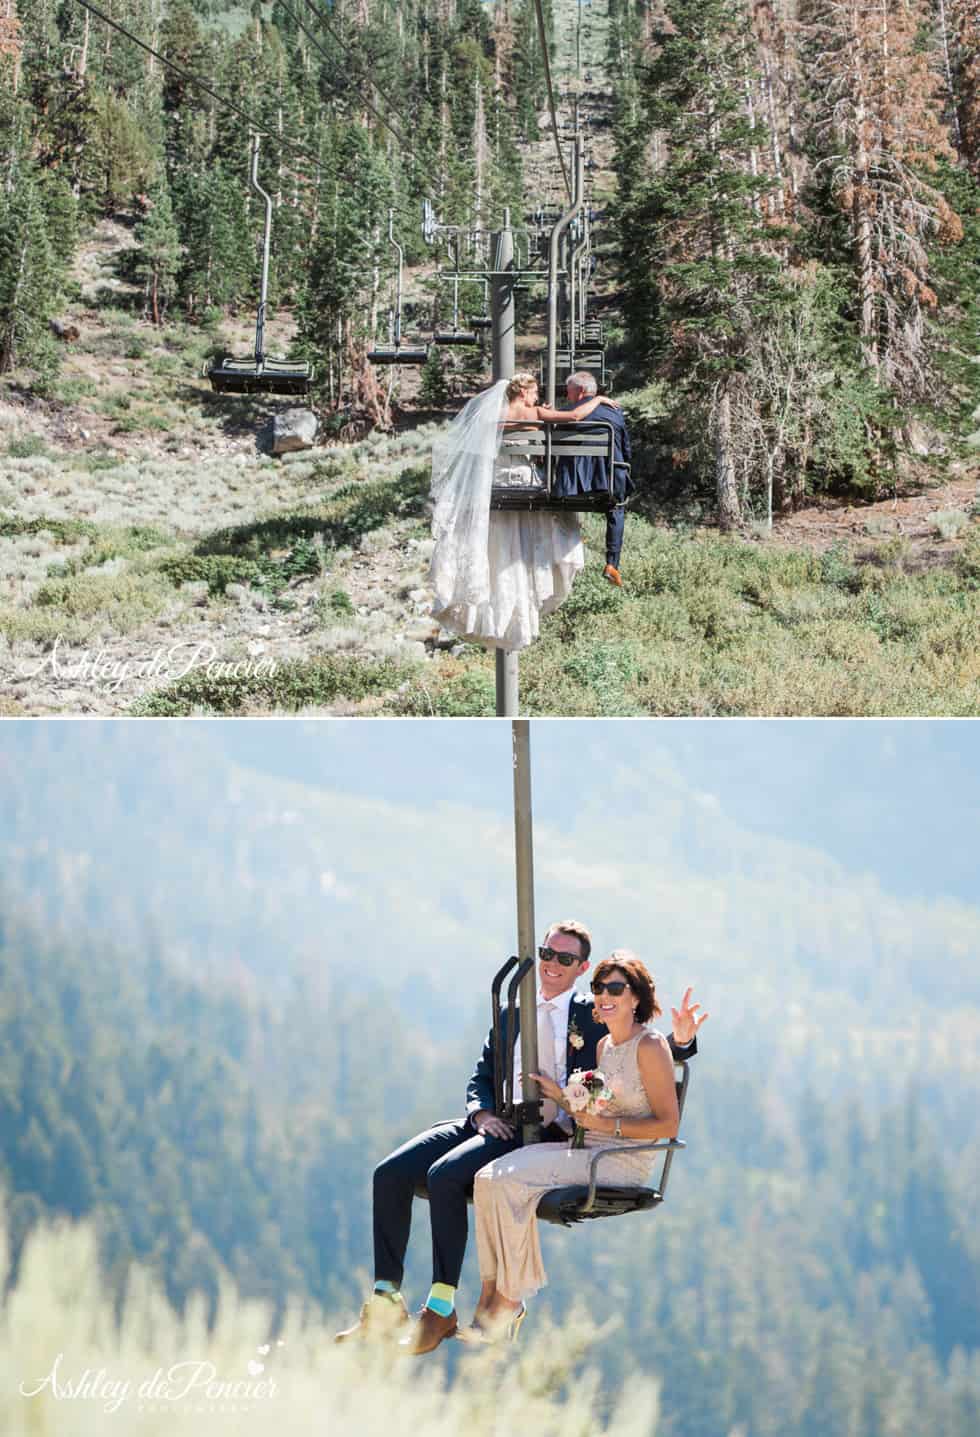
(564, 1205)
(539, 501)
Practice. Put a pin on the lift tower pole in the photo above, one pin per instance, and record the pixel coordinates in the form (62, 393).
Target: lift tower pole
(524, 854)
(503, 327)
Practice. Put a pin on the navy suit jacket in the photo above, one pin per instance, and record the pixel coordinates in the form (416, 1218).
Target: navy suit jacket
(581, 1025)
(588, 475)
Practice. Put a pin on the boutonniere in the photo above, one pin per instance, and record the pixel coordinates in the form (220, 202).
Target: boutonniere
(574, 1036)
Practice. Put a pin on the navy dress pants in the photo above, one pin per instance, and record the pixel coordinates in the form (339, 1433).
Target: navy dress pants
(445, 1159)
(615, 524)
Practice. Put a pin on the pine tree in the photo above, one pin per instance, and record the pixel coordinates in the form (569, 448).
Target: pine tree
(876, 113)
(350, 243)
(29, 277)
(701, 259)
(219, 266)
(433, 389)
(158, 253)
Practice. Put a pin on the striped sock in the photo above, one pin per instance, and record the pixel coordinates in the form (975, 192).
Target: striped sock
(441, 1299)
(383, 1288)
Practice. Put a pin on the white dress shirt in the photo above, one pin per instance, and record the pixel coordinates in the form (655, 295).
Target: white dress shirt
(559, 1022)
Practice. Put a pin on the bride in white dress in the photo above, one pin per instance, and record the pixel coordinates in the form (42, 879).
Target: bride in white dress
(496, 574)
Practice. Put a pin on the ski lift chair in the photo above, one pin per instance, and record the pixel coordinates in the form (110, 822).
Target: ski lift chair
(456, 335)
(579, 1201)
(588, 336)
(396, 351)
(261, 374)
(592, 360)
(537, 446)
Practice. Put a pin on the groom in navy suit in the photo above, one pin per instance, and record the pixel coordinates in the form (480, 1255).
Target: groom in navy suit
(591, 475)
(444, 1160)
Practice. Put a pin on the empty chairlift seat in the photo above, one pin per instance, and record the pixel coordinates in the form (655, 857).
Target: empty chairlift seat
(457, 336)
(398, 354)
(258, 375)
(588, 336)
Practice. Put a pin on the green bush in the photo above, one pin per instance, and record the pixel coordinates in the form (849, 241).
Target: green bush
(63, 531)
(290, 686)
(949, 523)
(216, 570)
(26, 446)
(469, 694)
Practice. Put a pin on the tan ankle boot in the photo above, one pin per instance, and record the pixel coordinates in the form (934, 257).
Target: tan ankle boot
(381, 1317)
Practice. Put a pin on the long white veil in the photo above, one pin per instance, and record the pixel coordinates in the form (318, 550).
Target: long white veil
(463, 459)
(495, 575)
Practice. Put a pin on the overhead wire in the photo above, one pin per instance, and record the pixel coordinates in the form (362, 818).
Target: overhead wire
(186, 74)
(288, 147)
(543, 38)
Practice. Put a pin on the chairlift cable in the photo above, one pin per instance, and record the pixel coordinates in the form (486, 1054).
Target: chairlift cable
(542, 36)
(288, 147)
(319, 15)
(406, 148)
(185, 74)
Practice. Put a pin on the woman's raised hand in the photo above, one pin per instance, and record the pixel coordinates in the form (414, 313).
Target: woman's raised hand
(686, 1022)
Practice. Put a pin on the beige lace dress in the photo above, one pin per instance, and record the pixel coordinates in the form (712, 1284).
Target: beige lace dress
(506, 1191)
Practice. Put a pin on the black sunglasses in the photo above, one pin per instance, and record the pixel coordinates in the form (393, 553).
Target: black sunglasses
(551, 955)
(615, 987)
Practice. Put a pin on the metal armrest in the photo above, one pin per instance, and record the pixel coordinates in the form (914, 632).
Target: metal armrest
(662, 1146)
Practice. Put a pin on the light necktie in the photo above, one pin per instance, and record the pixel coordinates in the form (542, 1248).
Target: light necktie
(546, 1057)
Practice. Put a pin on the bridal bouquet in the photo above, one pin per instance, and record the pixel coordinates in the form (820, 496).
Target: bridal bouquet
(586, 1092)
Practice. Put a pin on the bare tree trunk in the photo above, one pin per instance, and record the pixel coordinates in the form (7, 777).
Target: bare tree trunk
(948, 72)
(861, 212)
(479, 146)
(750, 112)
(726, 484)
(83, 57)
(777, 159)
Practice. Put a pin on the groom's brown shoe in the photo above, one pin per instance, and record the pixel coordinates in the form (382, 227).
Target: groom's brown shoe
(430, 1329)
(381, 1317)
(611, 573)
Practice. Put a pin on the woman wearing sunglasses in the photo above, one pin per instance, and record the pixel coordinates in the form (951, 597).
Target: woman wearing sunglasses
(639, 1068)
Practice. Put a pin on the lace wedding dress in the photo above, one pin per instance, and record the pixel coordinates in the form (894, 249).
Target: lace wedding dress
(495, 575)
(506, 1191)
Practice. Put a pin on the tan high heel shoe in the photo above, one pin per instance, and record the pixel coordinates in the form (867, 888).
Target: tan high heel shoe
(485, 1331)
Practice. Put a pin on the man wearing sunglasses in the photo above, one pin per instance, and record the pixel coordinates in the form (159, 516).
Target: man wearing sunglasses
(444, 1159)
